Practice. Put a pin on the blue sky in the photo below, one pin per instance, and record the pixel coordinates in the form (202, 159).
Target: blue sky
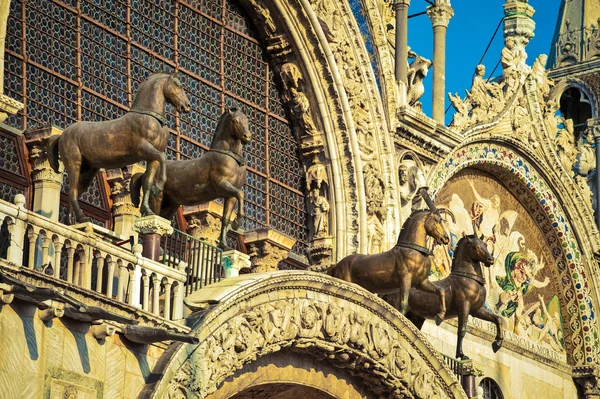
(469, 33)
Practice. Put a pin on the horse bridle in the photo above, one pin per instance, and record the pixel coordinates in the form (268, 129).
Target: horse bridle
(424, 250)
(159, 117)
(233, 155)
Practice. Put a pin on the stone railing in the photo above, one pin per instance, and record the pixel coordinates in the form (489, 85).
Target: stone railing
(83, 255)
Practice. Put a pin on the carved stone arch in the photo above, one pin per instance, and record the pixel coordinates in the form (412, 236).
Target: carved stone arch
(329, 51)
(550, 208)
(290, 315)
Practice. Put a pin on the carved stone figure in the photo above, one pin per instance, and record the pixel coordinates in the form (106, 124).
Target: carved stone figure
(513, 60)
(417, 71)
(319, 210)
(374, 187)
(407, 264)
(139, 135)
(521, 122)
(465, 293)
(483, 96)
(539, 73)
(408, 190)
(462, 107)
(297, 100)
(219, 173)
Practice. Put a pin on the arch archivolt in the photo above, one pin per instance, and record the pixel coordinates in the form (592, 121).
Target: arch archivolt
(310, 314)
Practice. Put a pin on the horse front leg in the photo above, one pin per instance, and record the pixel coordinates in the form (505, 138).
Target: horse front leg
(72, 164)
(484, 314)
(428, 286)
(231, 191)
(154, 178)
(463, 317)
(227, 210)
(405, 284)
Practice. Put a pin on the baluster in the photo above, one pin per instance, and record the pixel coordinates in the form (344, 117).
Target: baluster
(155, 295)
(168, 285)
(87, 256)
(70, 258)
(130, 290)
(32, 234)
(45, 251)
(178, 302)
(58, 246)
(121, 284)
(145, 291)
(100, 271)
(110, 278)
(77, 269)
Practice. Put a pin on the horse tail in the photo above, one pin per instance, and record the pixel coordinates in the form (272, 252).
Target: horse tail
(52, 151)
(135, 188)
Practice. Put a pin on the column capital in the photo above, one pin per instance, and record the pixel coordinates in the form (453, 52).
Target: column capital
(400, 3)
(36, 143)
(440, 14)
(153, 225)
(118, 180)
(267, 248)
(588, 378)
(204, 221)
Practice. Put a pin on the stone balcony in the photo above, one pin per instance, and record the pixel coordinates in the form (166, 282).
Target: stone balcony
(80, 270)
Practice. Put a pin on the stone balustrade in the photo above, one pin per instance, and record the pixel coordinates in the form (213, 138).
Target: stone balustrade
(83, 255)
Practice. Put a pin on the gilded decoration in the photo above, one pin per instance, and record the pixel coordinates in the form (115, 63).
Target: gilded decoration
(515, 172)
(352, 334)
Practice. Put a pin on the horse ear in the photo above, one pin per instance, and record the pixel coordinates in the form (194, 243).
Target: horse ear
(176, 75)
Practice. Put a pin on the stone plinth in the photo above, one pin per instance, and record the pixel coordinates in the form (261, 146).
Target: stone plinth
(124, 212)
(46, 182)
(267, 248)
(234, 261)
(152, 229)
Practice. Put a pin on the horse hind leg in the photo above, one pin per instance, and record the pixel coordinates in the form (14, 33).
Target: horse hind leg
(73, 162)
(403, 295)
(484, 314)
(227, 211)
(463, 316)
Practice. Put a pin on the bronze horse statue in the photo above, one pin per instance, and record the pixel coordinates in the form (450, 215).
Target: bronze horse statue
(406, 265)
(139, 135)
(219, 173)
(466, 292)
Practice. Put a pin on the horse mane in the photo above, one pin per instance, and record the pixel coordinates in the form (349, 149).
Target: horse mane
(460, 248)
(150, 79)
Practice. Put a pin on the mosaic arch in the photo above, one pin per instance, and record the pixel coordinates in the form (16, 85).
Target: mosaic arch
(520, 176)
(289, 319)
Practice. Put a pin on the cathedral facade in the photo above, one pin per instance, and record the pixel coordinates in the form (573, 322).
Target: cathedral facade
(124, 306)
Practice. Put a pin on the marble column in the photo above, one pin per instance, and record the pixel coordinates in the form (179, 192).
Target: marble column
(439, 14)
(46, 182)
(401, 7)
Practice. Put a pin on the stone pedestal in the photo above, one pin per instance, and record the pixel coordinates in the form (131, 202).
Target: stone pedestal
(46, 182)
(204, 221)
(588, 378)
(152, 229)
(267, 248)
(469, 371)
(8, 106)
(234, 261)
(123, 210)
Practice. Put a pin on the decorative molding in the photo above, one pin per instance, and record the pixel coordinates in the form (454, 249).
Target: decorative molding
(8, 107)
(267, 248)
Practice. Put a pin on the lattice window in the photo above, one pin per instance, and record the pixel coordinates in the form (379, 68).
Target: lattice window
(84, 60)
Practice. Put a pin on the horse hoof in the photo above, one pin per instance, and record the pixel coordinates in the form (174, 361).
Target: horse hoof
(84, 219)
(462, 357)
(496, 346)
(438, 319)
(146, 212)
(235, 225)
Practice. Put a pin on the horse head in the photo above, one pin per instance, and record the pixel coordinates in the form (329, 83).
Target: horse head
(477, 250)
(237, 123)
(434, 226)
(175, 94)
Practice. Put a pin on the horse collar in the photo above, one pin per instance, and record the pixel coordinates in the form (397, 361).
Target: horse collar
(472, 276)
(159, 117)
(233, 155)
(425, 251)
